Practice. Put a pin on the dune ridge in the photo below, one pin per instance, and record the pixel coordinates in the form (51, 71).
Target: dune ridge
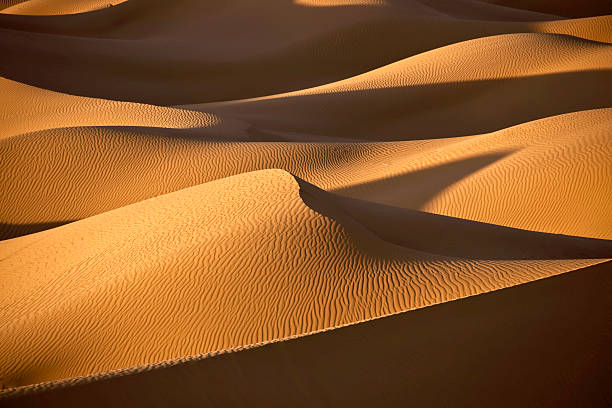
(51, 7)
(284, 50)
(385, 279)
(458, 177)
(565, 8)
(305, 203)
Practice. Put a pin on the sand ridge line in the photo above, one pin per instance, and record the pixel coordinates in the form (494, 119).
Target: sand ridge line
(85, 379)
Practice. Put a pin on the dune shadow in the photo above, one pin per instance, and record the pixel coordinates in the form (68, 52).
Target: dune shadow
(136, 71)
(8, 231)
(485, 10)
(565, 8)
(418, 187)
(431, 111)
(451, 236)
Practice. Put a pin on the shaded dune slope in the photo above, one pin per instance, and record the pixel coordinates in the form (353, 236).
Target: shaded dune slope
(566, 8)
(496, 82)
(447, 235)
(94, 303)
(289, 46)
(518, 346)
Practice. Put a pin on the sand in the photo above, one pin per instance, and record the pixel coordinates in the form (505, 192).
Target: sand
(304, 203)
(381, 362)
(52, 7)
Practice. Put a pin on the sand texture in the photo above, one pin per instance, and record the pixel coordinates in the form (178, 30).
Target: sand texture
(305, 203)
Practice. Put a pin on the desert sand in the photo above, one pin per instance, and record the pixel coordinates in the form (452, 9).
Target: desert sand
(305, 203)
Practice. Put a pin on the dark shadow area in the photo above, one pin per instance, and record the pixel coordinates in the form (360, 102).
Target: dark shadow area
(544, 343)
(416, 188)
(416, 112)
(8, 231)
(485, 10)
(565, 8)
(137, 71)
(126, 19)
(451, 236)
(427, 111)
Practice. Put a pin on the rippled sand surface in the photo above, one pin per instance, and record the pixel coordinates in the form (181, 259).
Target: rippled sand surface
(305, 203)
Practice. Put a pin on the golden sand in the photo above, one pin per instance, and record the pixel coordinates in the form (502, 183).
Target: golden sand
(238, 203)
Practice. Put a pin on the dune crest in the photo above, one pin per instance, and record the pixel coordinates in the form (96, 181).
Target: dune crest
(459, 177)
(53, 7)
(26, 109)
(333, 3)
(288, 46)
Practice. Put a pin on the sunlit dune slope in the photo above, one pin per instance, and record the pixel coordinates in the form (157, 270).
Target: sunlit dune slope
(545, 341)
(543, 175)
(210, 55)
(8, 3)
(25, 109)
(225, 264)
(50, 7)
(305, 203)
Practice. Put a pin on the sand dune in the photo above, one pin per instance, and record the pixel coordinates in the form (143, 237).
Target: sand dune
(407, 356)
(429, 95)
(8, 3)
(567, 8)
(26, 109)
(193, 245)
(283, 51)
(504, 177)
(305, 203)
(51, 7)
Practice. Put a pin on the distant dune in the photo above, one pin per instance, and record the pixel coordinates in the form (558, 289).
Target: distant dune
(567, 8)
(305, 203)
